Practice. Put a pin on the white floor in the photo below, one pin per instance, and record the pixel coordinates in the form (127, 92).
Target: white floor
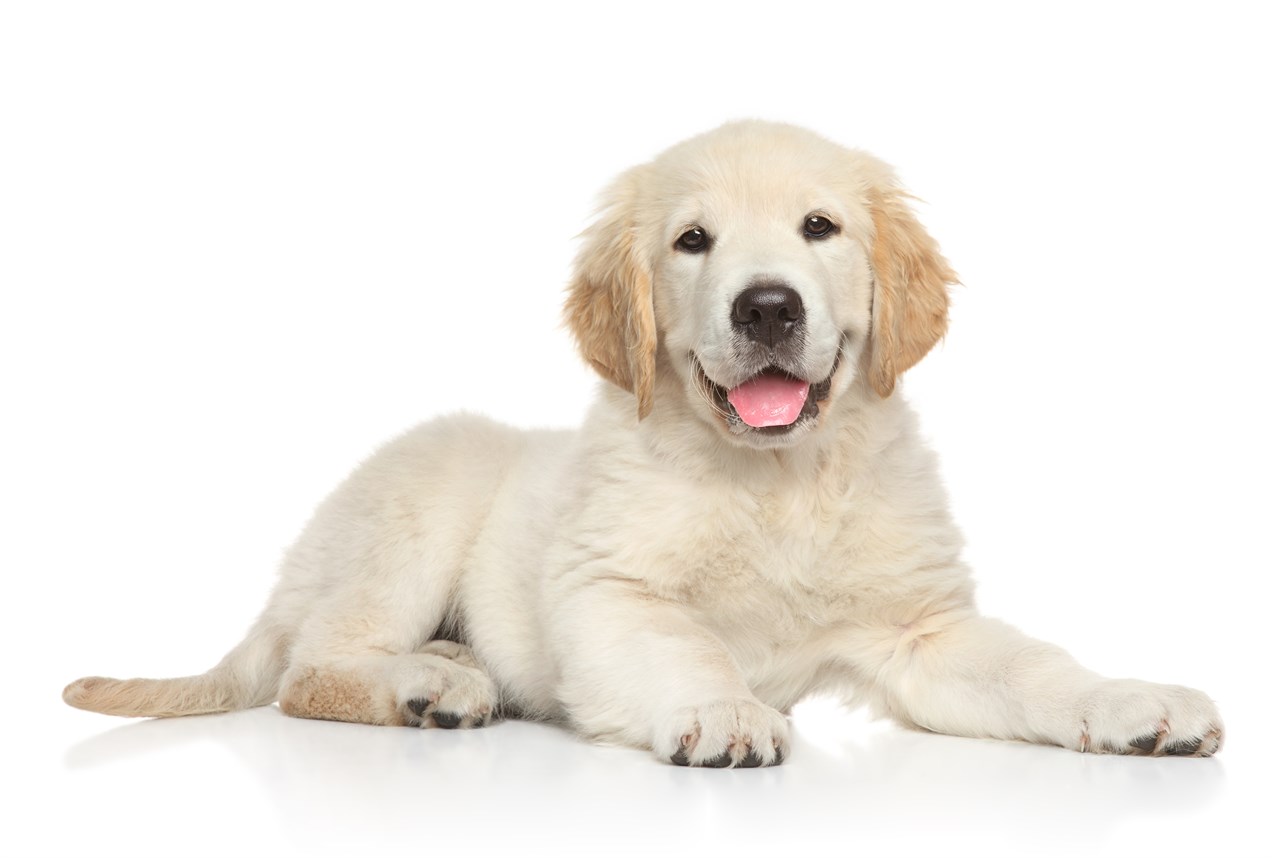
(259, 783)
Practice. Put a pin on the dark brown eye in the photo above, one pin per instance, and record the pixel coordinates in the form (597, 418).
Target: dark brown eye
(694, 240)
(816, 226)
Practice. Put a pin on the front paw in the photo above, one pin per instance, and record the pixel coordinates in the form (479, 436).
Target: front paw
(1127, 716)
(731, 733)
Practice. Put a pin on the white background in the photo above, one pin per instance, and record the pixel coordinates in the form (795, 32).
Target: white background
(242, 244)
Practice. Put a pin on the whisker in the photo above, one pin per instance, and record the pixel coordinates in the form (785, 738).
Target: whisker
(702, 386)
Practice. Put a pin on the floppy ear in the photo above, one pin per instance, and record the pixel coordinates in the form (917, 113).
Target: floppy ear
(911, 304)
(610, 306)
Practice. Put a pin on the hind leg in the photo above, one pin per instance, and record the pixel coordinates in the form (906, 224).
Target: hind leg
(441, 685)
(374, 579)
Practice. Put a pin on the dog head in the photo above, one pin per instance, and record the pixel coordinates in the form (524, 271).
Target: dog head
(768, 269)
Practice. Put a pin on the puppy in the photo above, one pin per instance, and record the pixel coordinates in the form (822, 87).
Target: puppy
(747, 516)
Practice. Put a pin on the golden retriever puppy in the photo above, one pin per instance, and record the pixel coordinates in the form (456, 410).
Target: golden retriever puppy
(746, 517)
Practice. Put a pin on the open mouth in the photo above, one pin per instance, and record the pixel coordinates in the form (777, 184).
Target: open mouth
(771, 402)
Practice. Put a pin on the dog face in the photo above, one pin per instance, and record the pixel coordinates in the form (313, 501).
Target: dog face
(768, 270)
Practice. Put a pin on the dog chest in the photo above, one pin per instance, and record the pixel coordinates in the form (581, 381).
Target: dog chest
(730, 551)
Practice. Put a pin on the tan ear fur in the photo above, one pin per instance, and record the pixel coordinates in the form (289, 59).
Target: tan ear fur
(610, 305)
(911, 304)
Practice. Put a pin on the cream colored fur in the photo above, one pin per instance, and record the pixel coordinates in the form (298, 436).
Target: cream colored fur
(667, 578)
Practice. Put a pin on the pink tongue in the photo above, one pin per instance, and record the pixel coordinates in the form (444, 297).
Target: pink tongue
(769, 400)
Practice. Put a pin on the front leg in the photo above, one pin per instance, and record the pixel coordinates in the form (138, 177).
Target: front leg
(960, 673)
(639, 670)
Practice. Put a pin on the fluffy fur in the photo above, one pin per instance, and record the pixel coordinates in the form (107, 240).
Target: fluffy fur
(669, 577)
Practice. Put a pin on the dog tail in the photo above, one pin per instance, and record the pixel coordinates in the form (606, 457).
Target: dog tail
(248, 676)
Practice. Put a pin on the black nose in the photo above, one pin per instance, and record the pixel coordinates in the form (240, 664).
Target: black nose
(768, 313)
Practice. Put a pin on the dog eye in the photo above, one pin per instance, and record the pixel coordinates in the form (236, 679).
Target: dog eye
(816, 226)
(694, 240)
